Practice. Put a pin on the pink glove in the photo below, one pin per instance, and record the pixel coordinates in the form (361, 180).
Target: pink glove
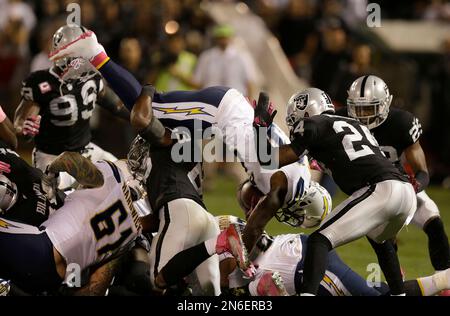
(31, 126)
(5, 167)
(314, 165)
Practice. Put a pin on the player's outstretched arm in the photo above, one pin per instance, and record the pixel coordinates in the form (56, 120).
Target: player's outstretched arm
(79, 167)
(145, 123)
(265, 210)
(7, 133)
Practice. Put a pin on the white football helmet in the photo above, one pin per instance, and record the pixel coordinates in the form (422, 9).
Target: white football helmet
(369, 100)
(70, 67)
(307, 103)
(8, 194)
(310, 210)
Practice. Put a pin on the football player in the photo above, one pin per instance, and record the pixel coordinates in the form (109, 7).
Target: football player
(57, 105)
(280, 262)
(153, 113)
(175, 186)
(94, 225)
(359, 168)
(397, 132)
(23, 197)
(307, 212)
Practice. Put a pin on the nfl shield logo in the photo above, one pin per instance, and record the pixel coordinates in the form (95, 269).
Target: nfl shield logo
(45, 87)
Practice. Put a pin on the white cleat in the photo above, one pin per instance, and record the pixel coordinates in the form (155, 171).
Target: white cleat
(85, 46)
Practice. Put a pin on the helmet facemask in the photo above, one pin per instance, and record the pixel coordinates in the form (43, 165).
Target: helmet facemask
(369, 113)
(138, 159)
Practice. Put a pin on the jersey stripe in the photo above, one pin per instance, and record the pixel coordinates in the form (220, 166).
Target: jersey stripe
(348, 207)
(161, 239)
(115, 171)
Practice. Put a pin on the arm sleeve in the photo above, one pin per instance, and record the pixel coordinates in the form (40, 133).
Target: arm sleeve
(122, 82)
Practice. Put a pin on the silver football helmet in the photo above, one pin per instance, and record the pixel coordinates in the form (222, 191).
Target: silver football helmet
(71, 68)
(369, 100)
(307, 103)
(309, 210)
(8, 194)
(138, 159)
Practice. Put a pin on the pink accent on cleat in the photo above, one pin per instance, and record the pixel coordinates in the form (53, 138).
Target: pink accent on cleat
(271, 284)
(230, 240)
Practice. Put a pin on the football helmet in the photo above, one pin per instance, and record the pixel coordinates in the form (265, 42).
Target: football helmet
(70, 67)
(309, 211)
(8, 194)
(138, 159)
(369, 101)
(307, 103)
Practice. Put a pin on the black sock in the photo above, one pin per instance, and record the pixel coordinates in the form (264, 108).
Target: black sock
(412, 288)
(183, 263)
(438, 245)
(388, 260)
(316, 261)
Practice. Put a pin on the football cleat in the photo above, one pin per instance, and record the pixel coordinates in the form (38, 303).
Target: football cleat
(271, 284)
(85, 46)
(230, 240)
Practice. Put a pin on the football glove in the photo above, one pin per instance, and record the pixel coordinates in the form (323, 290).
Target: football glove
(5, 167)
(264, 111)
(31, 126)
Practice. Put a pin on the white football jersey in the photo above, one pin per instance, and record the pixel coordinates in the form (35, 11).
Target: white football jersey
(298, 178)
(283, 256)
(95, 224)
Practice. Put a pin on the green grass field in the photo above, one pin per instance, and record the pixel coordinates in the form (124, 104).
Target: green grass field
(412, 242)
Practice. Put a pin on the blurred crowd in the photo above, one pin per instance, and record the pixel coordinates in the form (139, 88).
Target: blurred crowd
(175, 45)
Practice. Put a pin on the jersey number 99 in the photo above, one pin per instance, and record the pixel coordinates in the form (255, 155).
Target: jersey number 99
(65, 108)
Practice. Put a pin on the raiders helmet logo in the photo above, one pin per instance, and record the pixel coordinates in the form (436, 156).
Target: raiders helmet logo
(57, 38)
(301, 102)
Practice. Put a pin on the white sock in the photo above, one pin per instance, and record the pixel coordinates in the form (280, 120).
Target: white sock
(306, 294)
(432, 285)
(210, 245)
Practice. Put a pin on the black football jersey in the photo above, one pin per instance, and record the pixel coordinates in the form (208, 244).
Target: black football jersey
(32, 206)
(170, 180)
(346, 148)
(400, 130)
(65, 107)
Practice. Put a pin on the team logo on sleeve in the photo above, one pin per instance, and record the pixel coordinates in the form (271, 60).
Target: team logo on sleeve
(4, 224)
(198, 110)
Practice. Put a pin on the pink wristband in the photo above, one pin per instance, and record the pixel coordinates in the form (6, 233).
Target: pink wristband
(2, 115)
(99, 60)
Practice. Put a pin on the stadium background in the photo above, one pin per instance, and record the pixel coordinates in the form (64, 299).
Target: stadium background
(288, 44)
